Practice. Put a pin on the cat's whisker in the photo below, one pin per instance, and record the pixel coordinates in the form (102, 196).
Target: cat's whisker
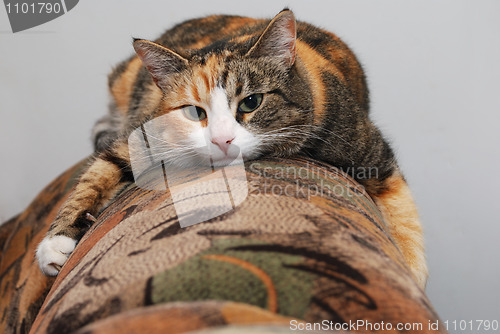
(316, 136)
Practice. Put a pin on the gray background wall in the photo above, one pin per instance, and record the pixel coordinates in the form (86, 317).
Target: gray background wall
(433, 70)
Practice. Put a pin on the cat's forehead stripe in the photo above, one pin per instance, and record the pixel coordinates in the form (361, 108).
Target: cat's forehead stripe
(208, 72)
(204, 80)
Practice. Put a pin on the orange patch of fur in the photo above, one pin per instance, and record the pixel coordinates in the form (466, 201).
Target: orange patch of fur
(241, 39)
(204, 82)
(315, 64)
(194, 92)
(204, 41)
(212, 71)
(400, 213)
(237, 23)
(231, 26)
(121, 87)
(102, 173)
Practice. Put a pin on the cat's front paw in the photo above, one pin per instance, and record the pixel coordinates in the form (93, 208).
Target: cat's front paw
(53, 252)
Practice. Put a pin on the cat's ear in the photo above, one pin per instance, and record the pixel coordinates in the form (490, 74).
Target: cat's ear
(278, 40)
(160, 61)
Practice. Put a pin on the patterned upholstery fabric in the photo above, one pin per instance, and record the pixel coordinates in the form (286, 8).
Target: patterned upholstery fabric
(306, 245)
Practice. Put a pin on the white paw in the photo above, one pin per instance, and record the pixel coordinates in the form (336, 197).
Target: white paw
(53, 252)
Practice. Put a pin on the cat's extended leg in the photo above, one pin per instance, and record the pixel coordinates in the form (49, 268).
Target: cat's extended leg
(400, 213)
(107, 174)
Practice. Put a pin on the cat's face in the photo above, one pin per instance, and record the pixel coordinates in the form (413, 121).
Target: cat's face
(218, 103)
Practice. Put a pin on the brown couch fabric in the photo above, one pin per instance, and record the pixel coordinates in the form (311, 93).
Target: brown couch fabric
(318, 252)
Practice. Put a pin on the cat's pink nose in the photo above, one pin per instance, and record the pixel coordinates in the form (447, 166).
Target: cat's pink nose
(223, 143)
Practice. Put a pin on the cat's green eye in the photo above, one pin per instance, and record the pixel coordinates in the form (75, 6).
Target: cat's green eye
(194, 113)
(250, 103)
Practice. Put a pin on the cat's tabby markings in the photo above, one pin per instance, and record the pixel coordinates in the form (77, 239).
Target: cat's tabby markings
(276, 87)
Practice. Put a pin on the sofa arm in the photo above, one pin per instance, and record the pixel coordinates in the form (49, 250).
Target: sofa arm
(305, 245)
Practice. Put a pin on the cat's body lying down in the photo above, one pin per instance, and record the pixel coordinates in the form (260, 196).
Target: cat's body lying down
(261, 87)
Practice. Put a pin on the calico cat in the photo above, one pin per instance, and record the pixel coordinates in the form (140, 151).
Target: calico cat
(268, 87)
